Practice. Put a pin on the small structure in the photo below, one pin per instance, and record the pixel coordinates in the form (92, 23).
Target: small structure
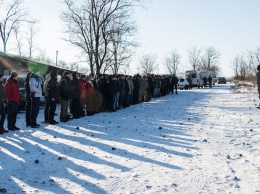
(22, 65)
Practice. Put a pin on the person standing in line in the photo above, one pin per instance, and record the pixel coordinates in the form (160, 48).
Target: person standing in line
(83, 91)
(205, 81)
(52, 95)
(75, 102)
(258, 79)
(65, 96)
(90, 97)
(36, 93)
(47, 102)
(2, 107)
(190, 82)
(175, 83)
(210, 81)
(13, 97)
(27, 99)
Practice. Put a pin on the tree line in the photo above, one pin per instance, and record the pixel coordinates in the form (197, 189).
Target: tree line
(104, 33)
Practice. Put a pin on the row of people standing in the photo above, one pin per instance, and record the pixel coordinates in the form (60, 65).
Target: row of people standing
(104, 93)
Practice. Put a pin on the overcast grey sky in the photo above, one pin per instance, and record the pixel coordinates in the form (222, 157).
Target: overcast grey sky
(230, 26)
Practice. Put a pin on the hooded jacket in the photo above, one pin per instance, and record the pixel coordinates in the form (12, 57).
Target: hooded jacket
(36, 85)
(52, 86)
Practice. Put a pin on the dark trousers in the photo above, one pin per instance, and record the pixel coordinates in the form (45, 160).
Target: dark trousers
(2, 114)
(175, 88)
(12, 110)
(46, 110)
(51, 111)
(76, 110)
(64, 105)
(28, 111)
(35, 110)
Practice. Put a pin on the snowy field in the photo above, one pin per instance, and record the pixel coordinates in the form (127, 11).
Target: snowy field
(199, 141)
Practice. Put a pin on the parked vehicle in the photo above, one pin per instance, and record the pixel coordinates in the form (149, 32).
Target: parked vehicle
(183, 84)
(222, 80)
(196, 79)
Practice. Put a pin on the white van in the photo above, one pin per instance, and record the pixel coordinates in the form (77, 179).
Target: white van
(183, 84)
(196, 79)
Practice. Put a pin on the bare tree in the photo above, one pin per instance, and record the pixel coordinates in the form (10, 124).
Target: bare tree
(148, 64)
(43, 57)
(239, 66)
(172, 62)
(19, 42)
(11, 16)
(88, 24)
(194, 57)
(253, 61)
(31, 35)
(26, 45)
(209, 59)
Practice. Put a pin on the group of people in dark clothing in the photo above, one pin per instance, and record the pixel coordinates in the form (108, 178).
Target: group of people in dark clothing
(78, 95)
(207, 80)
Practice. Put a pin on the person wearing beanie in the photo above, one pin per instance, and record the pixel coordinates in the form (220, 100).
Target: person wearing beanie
(83, 91)
(47, 104)
(13, 97)
(27, 99)
(52, 97)
(36, 84)
(65, 89)
(75, 102)
(13, 75)
(258, 79)
(2, 106)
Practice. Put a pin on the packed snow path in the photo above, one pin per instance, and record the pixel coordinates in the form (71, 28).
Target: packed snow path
(199, 141)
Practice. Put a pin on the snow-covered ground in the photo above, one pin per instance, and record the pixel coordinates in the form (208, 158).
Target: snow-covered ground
(199, 141)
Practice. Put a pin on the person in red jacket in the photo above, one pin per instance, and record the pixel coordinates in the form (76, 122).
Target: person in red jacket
(83, 91)
(13, 97)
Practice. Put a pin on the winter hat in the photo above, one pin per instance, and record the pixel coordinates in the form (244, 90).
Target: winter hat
(82, 76)
(66, 73)
(258, 67)
(14, 74)
(1, 75)
(53, 73)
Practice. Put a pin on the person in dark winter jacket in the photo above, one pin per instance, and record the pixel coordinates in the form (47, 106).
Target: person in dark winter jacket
(122, 90)
(174, 81)
(27, 99)
(65, 89)
(13, 98)
(47, 102)
(111, 93)
(258, 79)
(205, 79)
(51, 96)
(210, 81)
(75, 101)
(36, 85)
(83, 91)
(2, 106)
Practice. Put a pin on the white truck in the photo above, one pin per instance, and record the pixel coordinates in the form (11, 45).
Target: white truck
(196, 79)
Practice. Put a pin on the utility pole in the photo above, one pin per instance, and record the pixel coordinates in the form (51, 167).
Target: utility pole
(57, 57)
